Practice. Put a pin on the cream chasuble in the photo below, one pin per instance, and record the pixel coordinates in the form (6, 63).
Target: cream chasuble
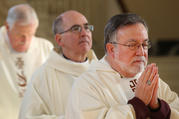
(16, 69)
(47, 94)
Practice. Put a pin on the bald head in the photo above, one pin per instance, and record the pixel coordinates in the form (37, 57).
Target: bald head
(63, 19)
(24, 14)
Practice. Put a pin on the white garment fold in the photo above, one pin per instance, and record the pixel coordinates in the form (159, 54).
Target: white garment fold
(101, 93)
(16, 69)
(47, 94)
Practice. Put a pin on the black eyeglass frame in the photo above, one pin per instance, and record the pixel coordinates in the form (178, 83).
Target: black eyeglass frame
(72, 29)
(130, 46)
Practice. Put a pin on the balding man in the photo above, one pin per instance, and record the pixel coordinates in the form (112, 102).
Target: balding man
(20, 55)
(47, 94)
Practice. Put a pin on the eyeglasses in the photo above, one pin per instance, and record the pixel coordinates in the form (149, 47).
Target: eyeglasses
(78, 28)
(134, 46)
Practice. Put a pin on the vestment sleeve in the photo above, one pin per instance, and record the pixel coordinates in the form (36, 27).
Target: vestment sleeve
(163, 112)
(141, 110)
(170, 97)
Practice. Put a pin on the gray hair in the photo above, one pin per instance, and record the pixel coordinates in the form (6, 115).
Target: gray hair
(117, 22)
(57, 26)
(22, 13)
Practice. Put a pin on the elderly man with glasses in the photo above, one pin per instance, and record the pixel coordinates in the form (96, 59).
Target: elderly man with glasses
(48, 91)
(121, 85)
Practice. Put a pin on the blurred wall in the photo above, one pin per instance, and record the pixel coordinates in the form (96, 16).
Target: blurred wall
(168, 70)
(163, 22)
(161, 16)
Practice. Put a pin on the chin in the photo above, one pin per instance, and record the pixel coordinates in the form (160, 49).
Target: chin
(85, 49)
(21, 49)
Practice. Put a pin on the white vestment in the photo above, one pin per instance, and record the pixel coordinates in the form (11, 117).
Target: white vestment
(101, 93)
(47, 94)
(16, 69)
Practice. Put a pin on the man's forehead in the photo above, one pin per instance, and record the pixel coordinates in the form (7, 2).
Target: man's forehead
(72, 18)
(132, 33)
(132, 26)
(132, 29)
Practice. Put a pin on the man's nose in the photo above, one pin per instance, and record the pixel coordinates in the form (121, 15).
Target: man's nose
(140, 50)
(23, 38)
(84, 31)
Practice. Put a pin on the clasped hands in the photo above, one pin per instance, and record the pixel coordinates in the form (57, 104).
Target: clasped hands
(147, 86)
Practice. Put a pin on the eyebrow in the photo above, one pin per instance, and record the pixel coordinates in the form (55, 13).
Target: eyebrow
(75, 25)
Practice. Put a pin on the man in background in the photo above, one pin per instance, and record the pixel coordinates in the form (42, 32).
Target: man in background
(121, 85)
(21, 53)
(47, 94)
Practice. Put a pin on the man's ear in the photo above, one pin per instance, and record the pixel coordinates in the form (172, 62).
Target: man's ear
(7, 26)
(110, 49)
(58, 39)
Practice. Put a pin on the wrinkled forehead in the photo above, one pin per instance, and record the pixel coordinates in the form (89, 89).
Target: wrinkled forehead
(132, 32)
(73, 18)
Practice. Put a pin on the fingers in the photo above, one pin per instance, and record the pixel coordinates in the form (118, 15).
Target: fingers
(154, 102)
(142, 78)
(155, 83)
(149, 73)
(146, 86)
(152, 86)
(152, 75)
